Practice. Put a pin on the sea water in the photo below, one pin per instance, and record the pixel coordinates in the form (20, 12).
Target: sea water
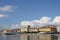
(30, 37)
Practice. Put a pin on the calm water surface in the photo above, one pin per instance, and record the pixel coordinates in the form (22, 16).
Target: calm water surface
(30, 37)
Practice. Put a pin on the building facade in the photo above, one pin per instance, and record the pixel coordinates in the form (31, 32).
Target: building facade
(48, 29)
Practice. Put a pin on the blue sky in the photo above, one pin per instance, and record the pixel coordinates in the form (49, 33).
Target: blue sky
(15, 11)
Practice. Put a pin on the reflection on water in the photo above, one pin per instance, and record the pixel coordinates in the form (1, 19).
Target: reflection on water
(38, 37)
(30, 37)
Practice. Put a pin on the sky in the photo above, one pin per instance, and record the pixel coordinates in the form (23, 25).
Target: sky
(16, 11)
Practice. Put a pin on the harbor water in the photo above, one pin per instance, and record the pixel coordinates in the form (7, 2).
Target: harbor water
(30, 37)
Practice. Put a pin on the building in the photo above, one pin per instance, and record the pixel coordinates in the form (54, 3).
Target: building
(29, 29)
(15, 30)
(25, 29)
(33, 30)
(48, 29)
(5, 31)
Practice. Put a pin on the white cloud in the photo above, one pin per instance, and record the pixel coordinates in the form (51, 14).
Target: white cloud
(44, 20)
(56, 19)
(3, 15)
(25, 23)
(15, 26)
(7, 8)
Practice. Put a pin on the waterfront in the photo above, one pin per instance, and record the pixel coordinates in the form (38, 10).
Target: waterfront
(31, 37)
